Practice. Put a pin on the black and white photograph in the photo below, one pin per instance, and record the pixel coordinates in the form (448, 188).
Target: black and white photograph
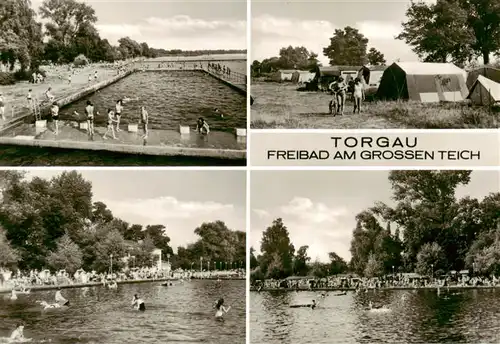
(400, 256)
(123, 83)
(115, 257)
(419, 64)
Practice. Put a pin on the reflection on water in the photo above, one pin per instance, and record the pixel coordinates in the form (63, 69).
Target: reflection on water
(181, 313)
(172, 98)
(423, 316)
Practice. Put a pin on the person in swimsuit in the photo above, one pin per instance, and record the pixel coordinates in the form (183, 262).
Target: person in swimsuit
(49, 95)
(54, 110)
(144, 121)
(118, 113)
(2, 107)
(111, 119)
(17, 334)
(359, 94)
(138, 303)
(341, 95)
(220, 309)
(89, 112)
(29, 98)
(60, 300)
(202, 126)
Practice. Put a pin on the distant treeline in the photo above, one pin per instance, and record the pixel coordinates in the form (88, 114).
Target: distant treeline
(179, 52)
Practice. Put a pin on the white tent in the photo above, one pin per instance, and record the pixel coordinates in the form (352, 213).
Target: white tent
(484, 92)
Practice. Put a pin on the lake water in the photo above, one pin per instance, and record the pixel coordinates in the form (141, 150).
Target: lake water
(466, 316)
(178, 314)
(172, 98)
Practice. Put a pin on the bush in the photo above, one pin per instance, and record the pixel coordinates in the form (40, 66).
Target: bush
(7, 78)
(27, 74)
(80, 60)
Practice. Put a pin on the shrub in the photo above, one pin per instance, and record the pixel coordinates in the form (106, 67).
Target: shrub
(26, 74)
(7, 78)
(80, 60)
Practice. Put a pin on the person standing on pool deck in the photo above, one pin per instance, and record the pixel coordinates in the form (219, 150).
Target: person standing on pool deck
(2, 107)
(138, 303)
(359, 94)
(144, 121)
(202, 126)
(89, 111)
(54, 110)
(110, 125)
(219, 306)
(119, 109)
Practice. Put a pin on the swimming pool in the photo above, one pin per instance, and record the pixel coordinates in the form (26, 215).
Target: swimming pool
(172, 98)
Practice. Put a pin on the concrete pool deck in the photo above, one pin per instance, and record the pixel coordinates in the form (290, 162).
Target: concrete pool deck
(221, 145)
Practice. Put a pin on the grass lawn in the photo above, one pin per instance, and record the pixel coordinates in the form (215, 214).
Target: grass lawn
(281, 106)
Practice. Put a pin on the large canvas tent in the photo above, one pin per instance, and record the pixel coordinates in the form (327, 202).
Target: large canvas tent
(484, 92)
(486, 71)
(423, 81)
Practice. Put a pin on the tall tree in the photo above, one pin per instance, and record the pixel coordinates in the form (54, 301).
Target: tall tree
(277, 250)
(8, 255)
(337, 264)
(347, 47)
(297, 58)
(68, 256)
(375, 57)
(300, 263)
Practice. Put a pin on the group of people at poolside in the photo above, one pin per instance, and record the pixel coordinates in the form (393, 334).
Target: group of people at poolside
(339, 90)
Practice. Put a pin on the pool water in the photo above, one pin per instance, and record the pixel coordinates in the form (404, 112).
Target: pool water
(172, 98)
(181, 313)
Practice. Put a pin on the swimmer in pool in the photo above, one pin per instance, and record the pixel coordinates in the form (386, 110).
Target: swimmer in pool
(219, 306)
(60, 299)
(202, 126)
(314, 304)
(18, 334)
(47, 305)
(13, 295)
(138, 303)
(218, 113)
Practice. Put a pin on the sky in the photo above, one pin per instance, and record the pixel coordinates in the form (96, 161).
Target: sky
(169, 24)
(319, 207)
(179, 200)
(280, 23)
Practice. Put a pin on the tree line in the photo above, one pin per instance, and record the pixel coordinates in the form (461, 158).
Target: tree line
(55, 224)
(347, 47)
(427, 230)
(69, 32)
(457, 31)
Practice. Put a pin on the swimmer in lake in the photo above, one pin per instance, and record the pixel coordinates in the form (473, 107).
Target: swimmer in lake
(202, 126)
(60, 299)
(18, 334)
(221, 310)
(138, 303)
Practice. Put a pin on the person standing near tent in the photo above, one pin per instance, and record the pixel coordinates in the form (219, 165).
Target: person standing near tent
(341, 95)
(359, 94)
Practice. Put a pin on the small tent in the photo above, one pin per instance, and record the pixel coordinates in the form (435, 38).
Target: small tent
(283, 75)
(423, 81)
(486, 71)
(484, 92)
(371, 75)
(301, 76)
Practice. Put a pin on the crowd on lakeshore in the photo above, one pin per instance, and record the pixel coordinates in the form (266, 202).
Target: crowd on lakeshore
(24, 280)
(402, 280)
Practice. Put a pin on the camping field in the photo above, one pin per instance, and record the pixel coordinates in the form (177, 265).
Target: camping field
(281, 106)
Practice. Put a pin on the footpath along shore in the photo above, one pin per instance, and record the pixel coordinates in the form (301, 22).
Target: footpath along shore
(4, 290)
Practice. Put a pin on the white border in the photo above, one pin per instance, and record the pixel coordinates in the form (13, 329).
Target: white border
(248, 181)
